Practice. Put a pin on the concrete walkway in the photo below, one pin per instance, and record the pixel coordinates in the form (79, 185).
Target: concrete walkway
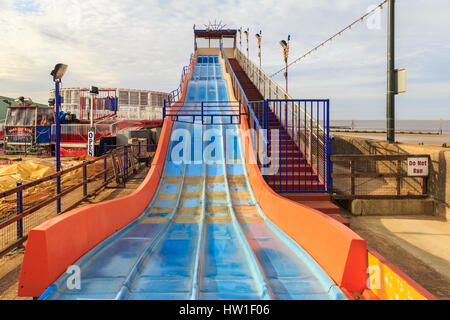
(417, 245)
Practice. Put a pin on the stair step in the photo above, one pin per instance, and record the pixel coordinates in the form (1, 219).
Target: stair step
(302, 188)
(294, 167)
(296, 187)
(289, 161)
(286, 154)
(292, 179)
(307, 196)
(326, 207)
(340, 219)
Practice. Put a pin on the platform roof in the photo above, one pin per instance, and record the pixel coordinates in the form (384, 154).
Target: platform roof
(226, 33)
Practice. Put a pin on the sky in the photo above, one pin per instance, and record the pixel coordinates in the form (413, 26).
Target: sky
(144, 45)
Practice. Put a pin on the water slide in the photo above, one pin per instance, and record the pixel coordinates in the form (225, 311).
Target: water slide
(200, 229)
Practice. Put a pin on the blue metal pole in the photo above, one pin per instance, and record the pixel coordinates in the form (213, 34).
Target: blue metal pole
(58, 143)
(125, 162)
(164, 110)
(330, 165)
(84, 180)
(202, 113)
(19, 212)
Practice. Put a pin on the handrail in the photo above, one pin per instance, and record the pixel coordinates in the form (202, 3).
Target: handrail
(248, 104)
(174, 94)
(297, 116)
(85, 180)
(241, 56)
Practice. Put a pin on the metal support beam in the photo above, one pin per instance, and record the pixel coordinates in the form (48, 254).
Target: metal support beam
(390, 95)
(58, 142)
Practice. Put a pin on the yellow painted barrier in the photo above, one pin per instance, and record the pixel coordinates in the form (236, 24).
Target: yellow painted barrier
(387, 282)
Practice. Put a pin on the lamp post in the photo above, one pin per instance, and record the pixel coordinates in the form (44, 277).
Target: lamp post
(285, 46)
(246, 35)
(259, 37)
(57, 73)
(390, 96)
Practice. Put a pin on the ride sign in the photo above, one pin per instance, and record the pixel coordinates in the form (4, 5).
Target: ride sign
(91, 143)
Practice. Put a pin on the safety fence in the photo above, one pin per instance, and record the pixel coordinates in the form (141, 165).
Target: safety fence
(113, 103)
(140, 113)
(300, 153)
(78, 132)
(28, 205)
(376, 177)
(175, 94)
(208, 112)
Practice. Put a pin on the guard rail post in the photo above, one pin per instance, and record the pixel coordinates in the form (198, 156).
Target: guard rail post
(19, 212)
(84, 179)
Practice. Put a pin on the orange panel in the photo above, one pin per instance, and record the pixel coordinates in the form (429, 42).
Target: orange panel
(337, 249)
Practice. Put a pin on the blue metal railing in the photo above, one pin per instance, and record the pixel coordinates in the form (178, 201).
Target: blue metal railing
(303, 150)
(175, 94)
(301, 153)
(254, 122)
(209, 112)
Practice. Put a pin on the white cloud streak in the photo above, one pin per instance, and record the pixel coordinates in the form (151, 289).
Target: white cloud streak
(144, 45)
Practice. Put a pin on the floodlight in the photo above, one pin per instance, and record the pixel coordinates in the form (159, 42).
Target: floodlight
(59, 71)
(93, 90)
(283, 44)
(20, 101)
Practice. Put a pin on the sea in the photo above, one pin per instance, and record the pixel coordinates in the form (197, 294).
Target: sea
(406, 126)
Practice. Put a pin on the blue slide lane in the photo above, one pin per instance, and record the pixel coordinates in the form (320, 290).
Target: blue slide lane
(203, 236)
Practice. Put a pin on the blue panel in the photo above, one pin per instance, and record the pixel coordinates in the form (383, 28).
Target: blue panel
(190, 231)
(43, 134)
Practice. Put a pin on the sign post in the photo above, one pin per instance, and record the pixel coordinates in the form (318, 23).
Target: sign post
(91, 135)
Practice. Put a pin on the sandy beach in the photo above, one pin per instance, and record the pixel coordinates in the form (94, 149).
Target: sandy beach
(436, 140)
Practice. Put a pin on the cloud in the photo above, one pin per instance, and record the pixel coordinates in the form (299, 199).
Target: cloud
(145, 44)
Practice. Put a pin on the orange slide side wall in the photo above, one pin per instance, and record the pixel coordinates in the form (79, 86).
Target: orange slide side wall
(59, 242)
(337, 249)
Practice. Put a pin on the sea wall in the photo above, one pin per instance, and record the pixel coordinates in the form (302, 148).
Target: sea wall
(439, 178)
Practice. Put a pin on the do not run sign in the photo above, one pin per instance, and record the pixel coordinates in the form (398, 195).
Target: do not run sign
(418, 167)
